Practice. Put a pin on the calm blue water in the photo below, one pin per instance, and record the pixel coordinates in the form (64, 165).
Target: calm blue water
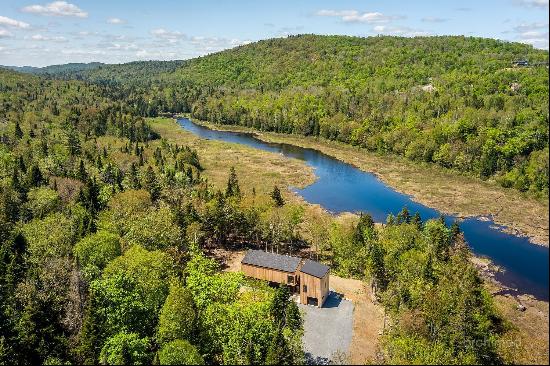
(341, 187)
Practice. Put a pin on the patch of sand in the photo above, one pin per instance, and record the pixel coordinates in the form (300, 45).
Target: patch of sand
(368, 319)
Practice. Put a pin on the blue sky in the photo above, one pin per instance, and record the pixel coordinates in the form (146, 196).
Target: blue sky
(39, 33)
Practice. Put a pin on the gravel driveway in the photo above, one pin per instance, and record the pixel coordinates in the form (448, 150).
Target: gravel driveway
(327, 331)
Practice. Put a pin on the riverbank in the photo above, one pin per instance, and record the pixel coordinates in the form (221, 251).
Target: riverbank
(432, 186)
(260, 170)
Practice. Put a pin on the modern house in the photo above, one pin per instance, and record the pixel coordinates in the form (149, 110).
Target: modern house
(520, 63)
(309, 279)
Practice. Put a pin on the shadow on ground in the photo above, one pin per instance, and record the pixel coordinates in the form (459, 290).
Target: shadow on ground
(328, 330)
(333, 300)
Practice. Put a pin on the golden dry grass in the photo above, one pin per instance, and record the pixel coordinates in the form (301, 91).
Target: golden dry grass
(255, 168)
(528, 342)
(437, 188)
(442, 189)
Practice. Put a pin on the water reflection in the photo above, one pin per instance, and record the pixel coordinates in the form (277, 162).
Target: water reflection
(340, 187)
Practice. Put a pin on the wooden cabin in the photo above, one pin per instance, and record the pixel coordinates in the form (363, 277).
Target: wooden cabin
(309, 279)
(313, 283)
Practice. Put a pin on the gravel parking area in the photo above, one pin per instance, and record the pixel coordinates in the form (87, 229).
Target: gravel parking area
(327, 331)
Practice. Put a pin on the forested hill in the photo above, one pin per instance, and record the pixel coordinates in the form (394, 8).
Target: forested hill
(454, 101)
(382, 64)
(97, 72)
(56, 70)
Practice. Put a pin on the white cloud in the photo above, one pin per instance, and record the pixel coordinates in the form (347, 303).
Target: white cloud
(56, 8)
(171, 36)
(535, 38)
(116, 21)
(4, 33)
(535, 34)
(159, 55)
(526, 27)
(336, 13)
(40, 37)
(399, 31)
(354, 16)
(122, 47)
(82, 52)
(543, 4)
(13, 23)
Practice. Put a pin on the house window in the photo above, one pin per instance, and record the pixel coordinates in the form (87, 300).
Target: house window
(305, 288)
(290, 279)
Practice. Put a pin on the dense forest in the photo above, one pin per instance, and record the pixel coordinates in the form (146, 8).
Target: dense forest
(103, 226)
(453, 101)
(106, 228)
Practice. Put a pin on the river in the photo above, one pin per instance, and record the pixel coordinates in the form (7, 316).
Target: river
(341, 187)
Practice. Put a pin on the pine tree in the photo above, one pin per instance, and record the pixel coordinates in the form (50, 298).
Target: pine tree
(73, 142)
(404, 216)
(133, 177)
(21, 163)
(18, 131)
(233, 189)
(364, 228)
(417, 220)
(151, 183)
(82, 174)
(89, 196)
(277, 197)
(455, 230)
(35, 177)
(277, 353)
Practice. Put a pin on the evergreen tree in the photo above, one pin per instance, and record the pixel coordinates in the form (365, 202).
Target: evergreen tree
(417, 220)
(455, 230)
(21, 164)
(35, 177)
(277, 353)
(151, 183)
(233, 189)
(364, 228)
(73, 142)
(18, 131)
(82, 174)
(89, 196)
(133, 177)
(277, 197)
(404, 217)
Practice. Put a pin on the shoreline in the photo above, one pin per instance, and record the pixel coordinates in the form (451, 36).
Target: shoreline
(536, 234)
(526, 323)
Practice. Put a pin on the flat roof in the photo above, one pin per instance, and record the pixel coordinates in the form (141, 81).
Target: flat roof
(259, 258)
(314, 269)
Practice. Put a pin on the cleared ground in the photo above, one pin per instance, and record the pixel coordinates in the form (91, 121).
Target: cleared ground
(364, 330)
(327, 330)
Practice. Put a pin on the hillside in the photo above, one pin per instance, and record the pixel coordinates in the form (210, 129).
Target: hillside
(450, 100)
(354, 62)
(108, 219)
(56, 70)
(453, 101)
